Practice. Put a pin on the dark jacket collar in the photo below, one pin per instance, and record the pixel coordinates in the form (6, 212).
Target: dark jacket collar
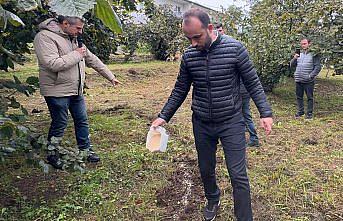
(215, 43)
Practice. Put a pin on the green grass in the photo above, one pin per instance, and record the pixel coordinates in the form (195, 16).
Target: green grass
(122, 185)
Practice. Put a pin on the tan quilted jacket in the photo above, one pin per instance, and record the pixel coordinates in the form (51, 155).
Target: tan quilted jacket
(61, 68)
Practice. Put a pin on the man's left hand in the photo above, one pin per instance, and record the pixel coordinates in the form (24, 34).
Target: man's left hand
(267, 123)
(115, 82)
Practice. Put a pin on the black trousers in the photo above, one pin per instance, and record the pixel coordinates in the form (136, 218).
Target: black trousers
(232, 136)
(308, 88)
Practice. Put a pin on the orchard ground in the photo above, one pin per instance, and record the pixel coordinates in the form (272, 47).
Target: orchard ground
(296, 174)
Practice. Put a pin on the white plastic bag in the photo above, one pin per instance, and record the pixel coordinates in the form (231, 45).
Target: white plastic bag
(157, 139)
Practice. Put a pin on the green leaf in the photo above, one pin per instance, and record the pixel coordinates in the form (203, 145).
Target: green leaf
(3, 106)
(10, 84)
(8, 52)
(71, 7)
(51, 147)
(23, 131)
(45, 167)
(32, 80)
(17, 117)
(3, 211)
(10, 62)
(27, 5)
(14, 103)
(16, 80)
(79, 168)
(39, 2)
(105, 12)
(3, 18)
(14, 19)
(8, 150)
(7, 130)
(27, 90)
(23, 109)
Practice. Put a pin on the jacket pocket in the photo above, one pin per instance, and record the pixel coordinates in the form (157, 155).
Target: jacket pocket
(68, 76)
(47, 78)
(225, 102)
(63, 77)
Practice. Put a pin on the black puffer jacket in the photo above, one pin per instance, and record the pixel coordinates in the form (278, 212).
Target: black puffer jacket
(243, 91)
(215, 75)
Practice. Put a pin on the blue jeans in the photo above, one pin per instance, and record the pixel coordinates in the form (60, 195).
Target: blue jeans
(248, 119)
(58, 108)
(231, 133)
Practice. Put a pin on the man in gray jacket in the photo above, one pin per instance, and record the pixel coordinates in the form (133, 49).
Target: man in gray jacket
(307, 68)
(62, 61)
(214, 65)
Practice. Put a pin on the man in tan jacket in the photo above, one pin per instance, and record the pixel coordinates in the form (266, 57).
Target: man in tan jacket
(62, 61)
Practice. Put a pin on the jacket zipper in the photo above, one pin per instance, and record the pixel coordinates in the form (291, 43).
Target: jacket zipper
(78, 66)
(79, 87)
(209, 86)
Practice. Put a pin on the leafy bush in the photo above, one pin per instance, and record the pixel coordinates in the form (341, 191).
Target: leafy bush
(17, 31)
(133, 36)
(162, 33)
(99, 39)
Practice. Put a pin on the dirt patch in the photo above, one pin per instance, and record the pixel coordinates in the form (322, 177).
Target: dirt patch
(262, 210)
(310, 141)
(6, 199)
(136, 74)
(38, 187)
(183, 195)
(326, 88)
(34, 188)
(121, 108)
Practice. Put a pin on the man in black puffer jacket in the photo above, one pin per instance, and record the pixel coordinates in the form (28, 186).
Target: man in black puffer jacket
(214, 65)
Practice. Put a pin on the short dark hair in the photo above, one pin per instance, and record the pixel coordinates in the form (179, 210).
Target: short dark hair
(306, 38)
(70, 19)
(218, 25)
(198, 13)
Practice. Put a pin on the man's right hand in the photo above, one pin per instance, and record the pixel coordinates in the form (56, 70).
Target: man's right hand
(296, 56)
(158, 122)
(81, 50)
(267, 124)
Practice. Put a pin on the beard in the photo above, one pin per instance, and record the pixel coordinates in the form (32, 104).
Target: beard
(207, 43)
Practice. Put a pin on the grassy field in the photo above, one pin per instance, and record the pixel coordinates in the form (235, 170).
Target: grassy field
(295, 175)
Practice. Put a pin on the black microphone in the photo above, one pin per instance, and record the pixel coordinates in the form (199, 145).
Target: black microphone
(79, 41)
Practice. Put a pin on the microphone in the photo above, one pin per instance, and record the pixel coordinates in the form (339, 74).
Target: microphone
(79, 41)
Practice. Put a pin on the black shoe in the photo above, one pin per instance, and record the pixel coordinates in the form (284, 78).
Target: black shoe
(211, 210)
(55, 161)
(298, 115)
(253, 143)
(93, 157)
(309, 116)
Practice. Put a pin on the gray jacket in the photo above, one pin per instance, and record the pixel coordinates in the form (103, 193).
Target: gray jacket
(307, 67)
